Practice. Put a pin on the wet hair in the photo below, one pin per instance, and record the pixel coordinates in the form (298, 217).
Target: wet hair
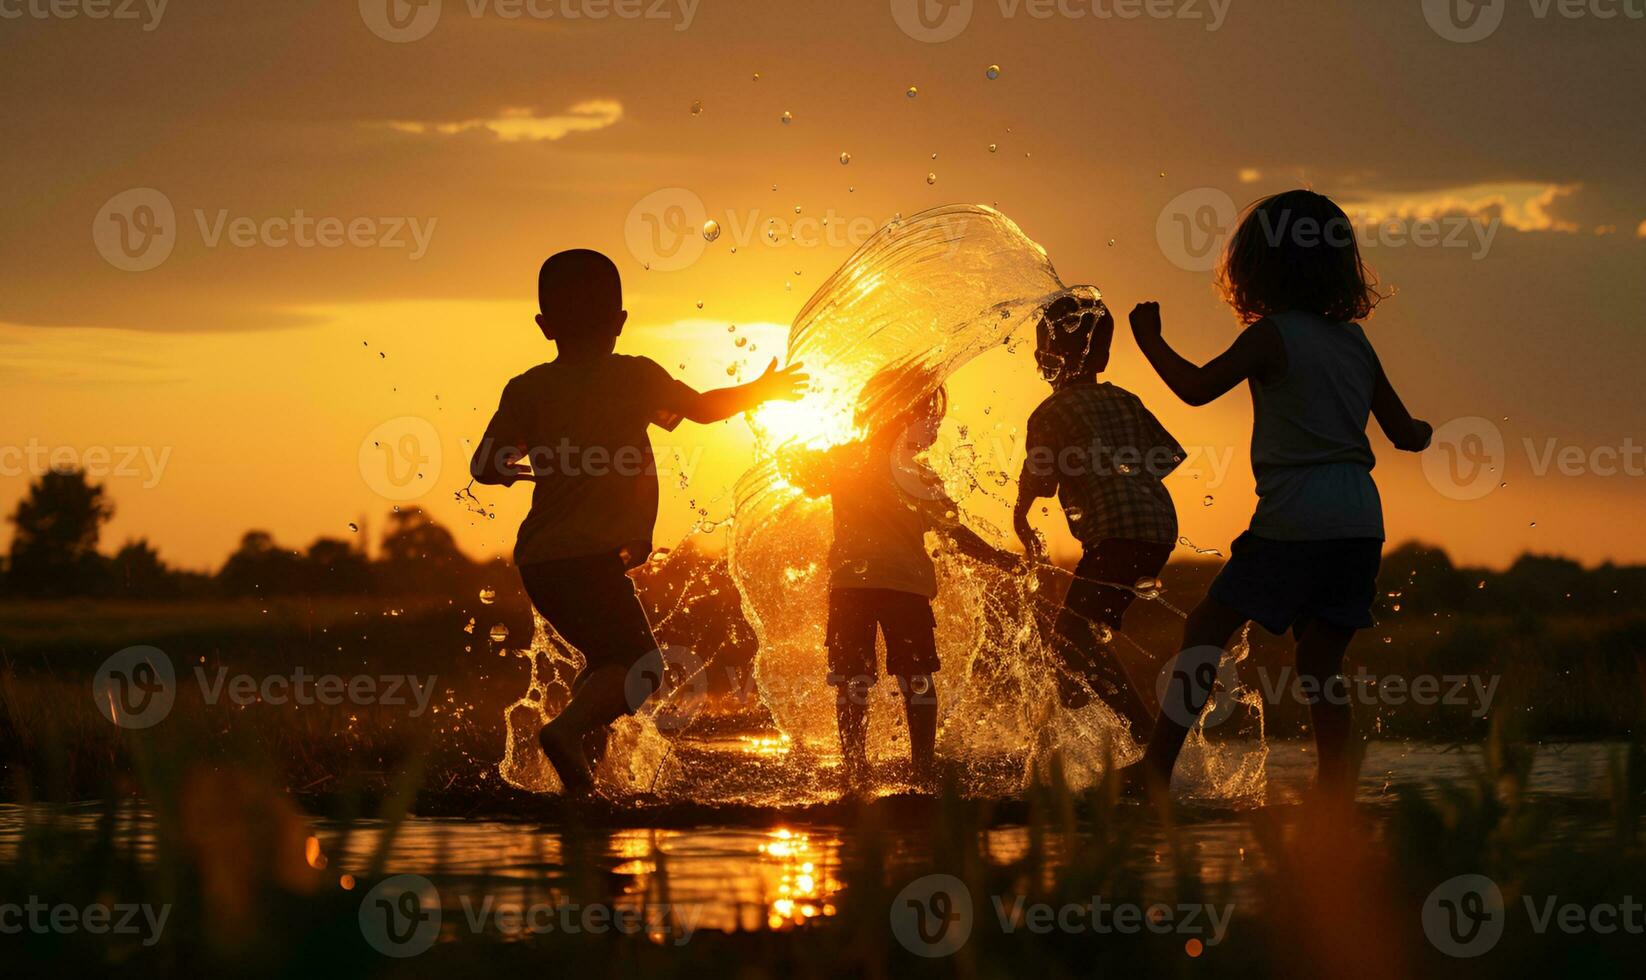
(1296, 251)
(1073, 337)
(897, 397)
(579, 286)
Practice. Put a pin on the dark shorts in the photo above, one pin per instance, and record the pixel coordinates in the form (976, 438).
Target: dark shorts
(1098, 593)
(1282, 585)
(591, 603)
(903, 618)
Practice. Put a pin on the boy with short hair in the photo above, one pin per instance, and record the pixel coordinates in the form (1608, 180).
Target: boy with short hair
(1103, 454)
(576, 427)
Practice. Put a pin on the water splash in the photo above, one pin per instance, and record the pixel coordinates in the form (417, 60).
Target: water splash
(927, 295)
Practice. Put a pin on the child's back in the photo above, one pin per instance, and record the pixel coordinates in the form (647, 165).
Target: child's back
(1310, 452)
(595, 486)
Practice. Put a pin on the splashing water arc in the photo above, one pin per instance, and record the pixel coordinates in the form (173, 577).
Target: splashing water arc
(929, 294)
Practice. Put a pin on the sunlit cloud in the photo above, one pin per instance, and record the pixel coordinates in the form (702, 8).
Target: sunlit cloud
(1641, 231)
(523, 124)
(1521, 206)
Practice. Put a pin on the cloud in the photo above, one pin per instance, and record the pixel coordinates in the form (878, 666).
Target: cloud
(1523, 206)
(522, 124)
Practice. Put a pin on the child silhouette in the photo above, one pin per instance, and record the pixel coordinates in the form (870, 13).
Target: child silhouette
(1103, 454)
(881, 578)
(576, 428)
(1293, 273)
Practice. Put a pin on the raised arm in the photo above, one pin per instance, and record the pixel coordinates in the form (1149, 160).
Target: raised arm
(722, 403)
(945, 520)
(1257, 353)
(1406, 433)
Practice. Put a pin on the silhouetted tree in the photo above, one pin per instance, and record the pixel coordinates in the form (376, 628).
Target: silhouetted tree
(137, 571)
(54, 550)
(420, 556)
(259, 566)
(336, 566)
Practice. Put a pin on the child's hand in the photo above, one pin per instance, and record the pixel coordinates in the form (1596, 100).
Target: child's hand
(514, 465)
(1145, 319)
(785, 385)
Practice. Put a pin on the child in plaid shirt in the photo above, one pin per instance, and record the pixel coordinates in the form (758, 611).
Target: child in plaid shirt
(1103, 455)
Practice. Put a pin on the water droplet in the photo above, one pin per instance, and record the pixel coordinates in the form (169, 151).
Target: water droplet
(697, 107)
(488, 595)
(992, 72)
(731, 369)
(1534, 524)
(731, 328)
(1163, 173)
(711, 230)
(742, 341)
(797, 209)
(757, 76)
(788, 117)
(354, 527)
(1206, 501)
(1149, 588)
(931, 178)
(845, 158)
(1111, 243)
(499, 633)
(993, 147)
(934, 156)
(1103, 634)
(912, 92)
(1075, 514)
(700, 304)
(860, 567)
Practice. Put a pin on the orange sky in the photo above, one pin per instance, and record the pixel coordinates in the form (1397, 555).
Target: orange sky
(242, 375)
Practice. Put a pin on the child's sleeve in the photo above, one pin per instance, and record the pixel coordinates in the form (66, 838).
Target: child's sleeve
(663, 399)
(506, 431)
(1165, 454)
(1039, 476)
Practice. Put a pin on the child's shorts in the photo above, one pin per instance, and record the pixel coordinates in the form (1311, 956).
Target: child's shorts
(1282, 585)
(1098, 593)
(591, 602)
(903, 618)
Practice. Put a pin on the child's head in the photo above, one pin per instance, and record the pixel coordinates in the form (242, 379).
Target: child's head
(1296, 251)
(902, 400)
(1072, 339)
(581, 298)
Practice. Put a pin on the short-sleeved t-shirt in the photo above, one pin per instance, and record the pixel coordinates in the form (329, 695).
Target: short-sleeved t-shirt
(1104, 454)
(583, 426)
(882, 509)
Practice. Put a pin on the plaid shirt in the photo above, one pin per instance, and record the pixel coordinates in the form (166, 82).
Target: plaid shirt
(1103, 454)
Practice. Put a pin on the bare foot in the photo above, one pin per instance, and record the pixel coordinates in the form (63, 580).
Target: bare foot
(566, 755)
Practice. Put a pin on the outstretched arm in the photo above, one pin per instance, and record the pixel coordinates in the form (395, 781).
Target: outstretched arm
(1256, 353)
(722, 403)
(969, 543)
(1408, 434)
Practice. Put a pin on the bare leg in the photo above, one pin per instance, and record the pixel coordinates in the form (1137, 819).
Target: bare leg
(600, 699)
(920, 706)
(1320, 653)
(852, 717)
(1206, 634)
